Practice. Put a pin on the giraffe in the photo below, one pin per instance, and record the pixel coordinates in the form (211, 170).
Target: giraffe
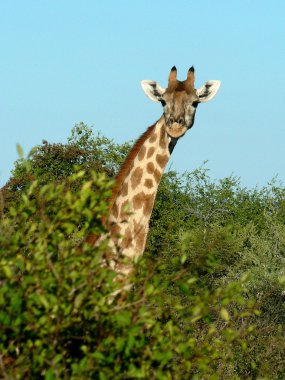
(138, 179)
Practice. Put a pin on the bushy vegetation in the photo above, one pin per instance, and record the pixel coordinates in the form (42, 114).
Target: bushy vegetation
(207, 298)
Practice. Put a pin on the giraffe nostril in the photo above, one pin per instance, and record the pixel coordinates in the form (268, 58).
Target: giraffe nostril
(171, 120)
(181, 121)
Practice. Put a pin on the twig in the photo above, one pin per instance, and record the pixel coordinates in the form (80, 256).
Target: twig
(126, 306)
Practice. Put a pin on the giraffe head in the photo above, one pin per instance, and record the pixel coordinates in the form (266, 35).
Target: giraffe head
(180, 100)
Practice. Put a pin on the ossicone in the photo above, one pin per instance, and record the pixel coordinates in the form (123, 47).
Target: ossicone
(173, 75)
(191, 77)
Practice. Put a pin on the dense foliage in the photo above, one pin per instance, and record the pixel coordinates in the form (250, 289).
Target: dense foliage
(213, 248)
(48, 163)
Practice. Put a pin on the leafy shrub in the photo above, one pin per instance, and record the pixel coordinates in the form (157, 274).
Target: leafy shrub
(189, 313)
(57, 319)
(56, 162)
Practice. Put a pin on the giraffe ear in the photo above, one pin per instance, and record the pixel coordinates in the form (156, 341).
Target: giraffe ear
(153, 90)
(208, 91)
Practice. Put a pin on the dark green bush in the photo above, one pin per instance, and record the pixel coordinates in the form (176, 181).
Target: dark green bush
(56, 318)
(48, 163)
(189, 314)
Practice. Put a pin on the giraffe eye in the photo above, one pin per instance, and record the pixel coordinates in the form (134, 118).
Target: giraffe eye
(195, 104)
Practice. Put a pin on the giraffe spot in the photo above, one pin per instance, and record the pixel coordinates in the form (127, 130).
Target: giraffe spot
(140, 235)
(163, 139)
(124, 190)
(127, 239)
(150, 152)
(115, 230)
(161, 160)
(136, 177)
(150, 167)
(138, 200)
(92, 239)
(157, 175)
(140, 243)
(125, 209)
(148, 183)
(115, 210)
(153, 138)
(141, 153)
(138, 227)
(148, 204)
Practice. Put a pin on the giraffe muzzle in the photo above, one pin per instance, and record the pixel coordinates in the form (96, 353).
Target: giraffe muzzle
(176, 130)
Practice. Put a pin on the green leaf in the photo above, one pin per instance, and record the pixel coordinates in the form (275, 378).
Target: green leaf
(20, 151)
(224, 314)
(43, 301)
(78, 300)
(123, 318)
(49, 375)
(7, 270)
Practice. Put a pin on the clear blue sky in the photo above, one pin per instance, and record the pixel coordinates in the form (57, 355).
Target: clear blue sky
(63, 62)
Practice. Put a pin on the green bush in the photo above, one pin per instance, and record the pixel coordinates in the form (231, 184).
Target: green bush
(48, 162)
(243, 232)
(57, 320)
(189, 313)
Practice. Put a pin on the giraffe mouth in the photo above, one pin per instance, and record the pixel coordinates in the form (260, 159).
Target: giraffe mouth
(176, 130)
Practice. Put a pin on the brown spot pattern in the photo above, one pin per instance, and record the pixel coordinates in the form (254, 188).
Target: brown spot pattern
(128, 164)
(125, 191)
(148, 204)
(136, 177)
(138, 227)
(148, 183)
(141, 153)
(150, 152)
(124, 209)
(140, 241)
(127, 239)
(92, 239)
(150, 167)
(163, 139)
(115, 210)
(115, 230)
(153, 138)
(161, 160)
(138, 200)
(157, 175)
(140, 234)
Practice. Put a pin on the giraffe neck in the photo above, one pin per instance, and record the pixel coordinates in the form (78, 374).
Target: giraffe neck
(137, 184)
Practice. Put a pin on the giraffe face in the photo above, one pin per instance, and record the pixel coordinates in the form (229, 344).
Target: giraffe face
(180, 100)
(179, 108)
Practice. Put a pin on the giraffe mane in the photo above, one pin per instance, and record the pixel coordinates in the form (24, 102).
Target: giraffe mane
(126, 167)
(123, 172)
